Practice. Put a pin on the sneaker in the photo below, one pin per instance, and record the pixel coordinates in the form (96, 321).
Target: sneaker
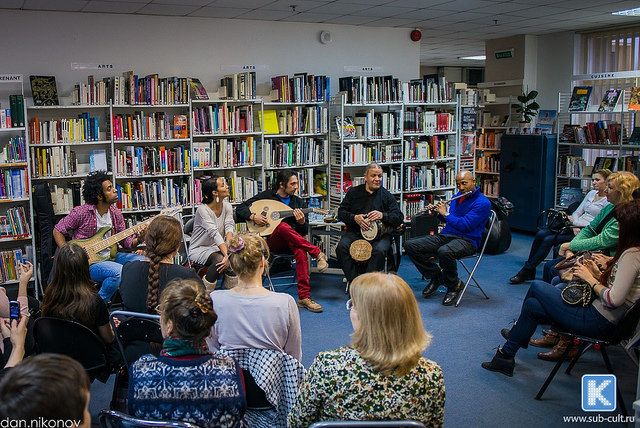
(309, 304)
(500, 363)
(321, 262)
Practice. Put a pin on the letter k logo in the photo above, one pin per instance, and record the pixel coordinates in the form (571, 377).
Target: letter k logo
(598, 393)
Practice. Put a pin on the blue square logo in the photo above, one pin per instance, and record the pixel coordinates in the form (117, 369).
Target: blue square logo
(599, 393)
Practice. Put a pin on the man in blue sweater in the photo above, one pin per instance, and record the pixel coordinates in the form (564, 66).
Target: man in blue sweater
(460, 237)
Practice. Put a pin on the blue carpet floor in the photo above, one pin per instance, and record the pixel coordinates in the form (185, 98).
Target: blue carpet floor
(464, 337)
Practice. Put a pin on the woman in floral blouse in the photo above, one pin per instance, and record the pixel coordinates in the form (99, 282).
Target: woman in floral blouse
(382, 376)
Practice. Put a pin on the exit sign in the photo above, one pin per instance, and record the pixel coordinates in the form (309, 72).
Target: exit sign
(504, 54)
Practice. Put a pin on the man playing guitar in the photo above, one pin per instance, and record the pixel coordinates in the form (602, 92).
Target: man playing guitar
(362, 205)
(84, 221)
(287, 236)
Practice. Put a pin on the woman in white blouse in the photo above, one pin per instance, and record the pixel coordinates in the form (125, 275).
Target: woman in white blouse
(213, 226)
(545, 239)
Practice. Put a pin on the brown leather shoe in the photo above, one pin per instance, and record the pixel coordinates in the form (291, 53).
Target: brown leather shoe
(309, 304)
(547, 341)
(556, 353)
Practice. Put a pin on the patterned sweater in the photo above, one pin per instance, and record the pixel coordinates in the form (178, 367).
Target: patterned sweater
(342, 386)
(206, 390)
(606, 241)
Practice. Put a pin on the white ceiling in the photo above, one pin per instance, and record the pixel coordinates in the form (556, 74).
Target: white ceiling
(450, 28)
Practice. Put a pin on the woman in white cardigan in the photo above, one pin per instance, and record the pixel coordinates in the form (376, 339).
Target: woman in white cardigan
(213, 226)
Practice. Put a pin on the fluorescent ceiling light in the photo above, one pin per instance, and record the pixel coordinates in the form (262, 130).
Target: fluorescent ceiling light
(628, 12)
(476, 57)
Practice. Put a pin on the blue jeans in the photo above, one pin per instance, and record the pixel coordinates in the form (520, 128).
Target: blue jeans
(542, 244)
(549, 272)
(543, 304)
(108, 273)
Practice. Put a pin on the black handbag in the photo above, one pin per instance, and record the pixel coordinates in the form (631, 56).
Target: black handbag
(556, 220)
(578, 293)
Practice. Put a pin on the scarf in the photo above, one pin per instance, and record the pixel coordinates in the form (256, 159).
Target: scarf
(177, 347)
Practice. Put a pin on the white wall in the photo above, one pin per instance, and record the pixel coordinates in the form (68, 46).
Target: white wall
(46, 43)
(555, 67)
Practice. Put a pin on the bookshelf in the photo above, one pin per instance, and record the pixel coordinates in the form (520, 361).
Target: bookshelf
(588, 137)
(17, 240)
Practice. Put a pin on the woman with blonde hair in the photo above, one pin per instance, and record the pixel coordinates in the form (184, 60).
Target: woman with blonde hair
(249, 315)
(382, 375)
(143, 280)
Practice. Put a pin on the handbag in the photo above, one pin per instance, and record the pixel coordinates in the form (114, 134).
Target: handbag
(578, 292)
(564, 267)
(556, 220)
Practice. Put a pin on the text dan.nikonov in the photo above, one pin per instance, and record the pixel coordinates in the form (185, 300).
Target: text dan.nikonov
(39, 423)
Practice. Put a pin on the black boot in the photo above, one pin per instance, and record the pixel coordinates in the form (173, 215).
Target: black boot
(433, 285)
(452, 294)
(505, 332)
(522, 276)
(500, 363)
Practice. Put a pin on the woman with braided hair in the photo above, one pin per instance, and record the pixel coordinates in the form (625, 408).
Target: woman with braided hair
(187, 382)
(144, 280)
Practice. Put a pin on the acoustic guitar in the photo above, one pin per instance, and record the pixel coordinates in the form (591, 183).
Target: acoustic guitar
(92, 246)
(275, 212)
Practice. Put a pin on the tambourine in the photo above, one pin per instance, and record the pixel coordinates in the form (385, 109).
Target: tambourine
(360, 250)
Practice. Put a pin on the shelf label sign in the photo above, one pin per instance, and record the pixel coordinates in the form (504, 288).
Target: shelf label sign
(239, 68)
(98, 66)
(508, 53)
(10, 78)
(610, 75)
(364, 68)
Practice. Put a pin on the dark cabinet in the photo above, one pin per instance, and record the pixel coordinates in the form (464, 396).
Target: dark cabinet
(527, 177)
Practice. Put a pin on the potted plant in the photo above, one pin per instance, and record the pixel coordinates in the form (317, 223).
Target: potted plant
(528, 108)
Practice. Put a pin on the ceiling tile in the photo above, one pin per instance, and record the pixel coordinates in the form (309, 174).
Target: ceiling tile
(462, 5)
(244, 4)
(421, 14)
(392, 22)
(66, 5)
(614, 6)
(300, 6)
(340, 8)
(351, 20)
(310, 17)
(385, 11)
(499, 8)
(183, 2)
(418, 4)
(266, 15)
(539, 11)
(167, 9)
(11, 4)
(219, 12)
(368, 2)
(112, 7)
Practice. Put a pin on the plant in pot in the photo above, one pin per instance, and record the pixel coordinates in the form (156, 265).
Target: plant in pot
(528, 108)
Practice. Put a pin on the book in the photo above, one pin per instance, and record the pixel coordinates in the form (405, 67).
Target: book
(635, 136)
(98, 160)
(197, 90)
(45, 92)
(610, 100)
(546, 118)
(634, 99)
(580, 98)
(180, 126)
(604, 163)
(270, 122)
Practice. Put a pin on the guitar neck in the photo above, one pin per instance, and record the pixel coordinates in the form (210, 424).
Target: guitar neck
(289, 213)
(114, 239)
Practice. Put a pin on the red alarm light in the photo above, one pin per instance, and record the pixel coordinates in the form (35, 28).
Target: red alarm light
(416, 35)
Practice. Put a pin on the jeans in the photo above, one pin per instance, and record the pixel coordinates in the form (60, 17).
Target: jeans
(542, 244)
(543, 304)
(108, 273)
(424, 250)
(285, 238)
(549, 272)
(350, 267)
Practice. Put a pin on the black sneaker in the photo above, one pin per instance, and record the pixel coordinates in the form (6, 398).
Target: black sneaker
(500, 363)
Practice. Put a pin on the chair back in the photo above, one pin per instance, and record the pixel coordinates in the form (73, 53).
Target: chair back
(113, 419)
(368, 424)
(187, 229)
(137, 334)
(256, 398)
(629, 323)
(485, 238)
(58, 336)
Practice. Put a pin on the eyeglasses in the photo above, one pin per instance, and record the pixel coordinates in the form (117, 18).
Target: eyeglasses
(349, 304)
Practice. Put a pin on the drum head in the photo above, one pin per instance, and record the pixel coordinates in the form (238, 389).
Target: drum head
(373, 232)
(360, 250)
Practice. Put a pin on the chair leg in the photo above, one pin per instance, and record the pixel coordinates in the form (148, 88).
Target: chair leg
(470, 273)
(582, 347)
(546, 383)
(607, 363)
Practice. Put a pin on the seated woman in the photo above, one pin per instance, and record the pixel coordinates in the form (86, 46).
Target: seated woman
(212, 226)
(72, 295)
(186, 382)
(617, 288)
(383, 375)
(545, 239)
(143, 280)
(249, 315)
(13, 335)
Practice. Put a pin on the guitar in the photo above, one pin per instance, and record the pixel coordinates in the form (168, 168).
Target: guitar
(92, 246)
(275, 212)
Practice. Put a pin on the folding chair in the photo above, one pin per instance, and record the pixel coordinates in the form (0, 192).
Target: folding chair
(368, 424)
(478, 257)
(281, 280)
(113, 419)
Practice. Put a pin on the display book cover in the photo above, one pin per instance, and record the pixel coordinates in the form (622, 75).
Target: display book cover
(45, 92)
(610, 100)
(197, 89)
(580, 98)
(634, 99)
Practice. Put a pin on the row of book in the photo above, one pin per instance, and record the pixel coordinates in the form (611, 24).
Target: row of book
(581, 95)
(429, 89)
(372, 124)
(64, 198)
(426, 148)
(10, 262)
(238, 86)
(225, 153)
(241, 188)
(133, 161)
(488, 163)
(490, 140)
(361, 154)
(84, 128)
(14, 151)
(428, 121)
(391, 180)
(14, 223)
(571, 165)
(371, 89)
(490, 187)
(414, 204)
(155, 126)
(157, 194)
(13, 117)
(429, 177)
(304, 151)
(222, 118)
(53, 162)
(302, 87)
(600, 132)
(14, 183)
(310, 181)
(297, 120)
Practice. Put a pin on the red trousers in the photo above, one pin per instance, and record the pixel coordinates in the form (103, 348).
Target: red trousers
(284, 238)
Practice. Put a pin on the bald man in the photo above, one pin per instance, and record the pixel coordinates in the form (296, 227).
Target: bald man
(436, 256)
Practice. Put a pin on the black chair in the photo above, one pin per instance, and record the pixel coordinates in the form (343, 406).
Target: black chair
(58, 336)
(368, 424)
(277, 275)
(113, 419)
(624, 331)
(256, 398)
